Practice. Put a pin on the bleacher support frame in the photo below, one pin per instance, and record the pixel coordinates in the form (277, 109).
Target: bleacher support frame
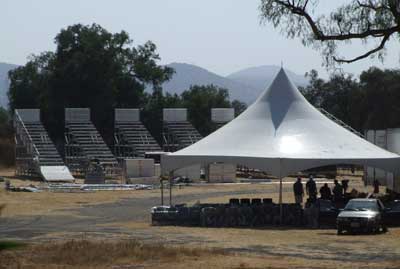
(132, 139)
(83, 144)
(26, 153)
(36, 155)
(178, 132)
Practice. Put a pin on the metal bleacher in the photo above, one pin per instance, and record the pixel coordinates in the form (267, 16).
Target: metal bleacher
(83, 144)
(341, 123)
(132, 139)
(36, 154)
(178, 132)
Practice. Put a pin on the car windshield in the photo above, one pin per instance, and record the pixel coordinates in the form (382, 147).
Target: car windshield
(357, 205)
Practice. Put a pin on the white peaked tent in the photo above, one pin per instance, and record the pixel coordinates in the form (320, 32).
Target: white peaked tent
(282, 133)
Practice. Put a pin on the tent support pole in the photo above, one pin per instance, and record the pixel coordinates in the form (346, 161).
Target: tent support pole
(171, 175)
(280, 193)
(162, 190)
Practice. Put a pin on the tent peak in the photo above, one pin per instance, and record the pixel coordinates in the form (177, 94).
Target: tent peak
(281, 91)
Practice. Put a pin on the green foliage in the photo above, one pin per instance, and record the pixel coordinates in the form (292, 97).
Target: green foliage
(368, 103)
(91, 67)
(382, 98)
(152, 113)
(200, 100)
(4, 117)
(7, 150)
(365, 20)
(239, 107)
(7, 245)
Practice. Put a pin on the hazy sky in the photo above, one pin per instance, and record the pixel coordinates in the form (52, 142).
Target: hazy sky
(221, 35)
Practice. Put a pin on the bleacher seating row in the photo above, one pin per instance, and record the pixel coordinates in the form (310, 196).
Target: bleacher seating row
(178, 135)
(83, 143)
(133, 140)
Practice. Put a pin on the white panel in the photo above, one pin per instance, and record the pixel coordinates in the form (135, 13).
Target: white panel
(221, 172)
(157, 170)
(390, 181)
(370, 136)
(135, 168)
(127, 115)
(393, 145)
(393, 140)
(191, 172)
(77, 114)
(222, 114)
(380, 138)
(29, 115)
(381, 176)
(56, 173)
(174, 114)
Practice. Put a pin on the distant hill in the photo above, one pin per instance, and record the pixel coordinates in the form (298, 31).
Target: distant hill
(259, 77)
(4, 68)
(244, 85)
(187, 75)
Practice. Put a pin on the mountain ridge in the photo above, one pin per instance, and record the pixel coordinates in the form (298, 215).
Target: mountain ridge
(4, 84)
(245, 85)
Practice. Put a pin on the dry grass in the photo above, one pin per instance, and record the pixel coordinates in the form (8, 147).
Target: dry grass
(135, 254)
(99, 254)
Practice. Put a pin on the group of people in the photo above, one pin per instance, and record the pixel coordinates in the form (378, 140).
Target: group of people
(336, 194)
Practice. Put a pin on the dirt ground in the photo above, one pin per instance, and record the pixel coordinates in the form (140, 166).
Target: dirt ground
(111, 217)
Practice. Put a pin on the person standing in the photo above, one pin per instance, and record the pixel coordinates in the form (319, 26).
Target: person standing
(311, 189)
(337, 191)
(298, 191)
(325, 192)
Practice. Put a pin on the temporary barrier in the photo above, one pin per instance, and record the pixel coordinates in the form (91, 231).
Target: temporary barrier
(221, 172)
(135, 168)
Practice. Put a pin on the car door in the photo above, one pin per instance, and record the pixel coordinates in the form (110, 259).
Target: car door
(382, 212)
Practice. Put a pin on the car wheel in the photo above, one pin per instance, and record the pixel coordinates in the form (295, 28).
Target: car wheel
(339, 231)
(384, 229)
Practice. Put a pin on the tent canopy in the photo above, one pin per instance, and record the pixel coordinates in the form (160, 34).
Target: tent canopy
(282, 133)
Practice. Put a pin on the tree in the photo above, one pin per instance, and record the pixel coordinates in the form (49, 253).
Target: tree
(370, 102)
(381, 89)
(7, 149)
(152, 113)
(5, 125)
(364, 20)
(91, 67)
(239, 107)
(340, 95)
(200, 100)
